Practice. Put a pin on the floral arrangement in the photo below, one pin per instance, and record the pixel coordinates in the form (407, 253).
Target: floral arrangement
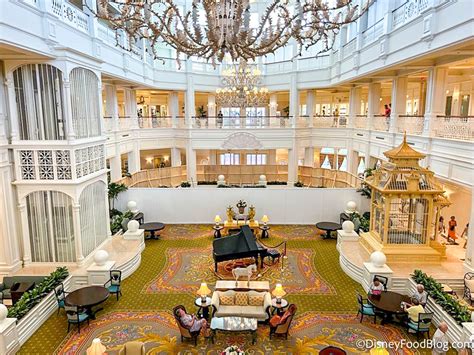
(233, 350)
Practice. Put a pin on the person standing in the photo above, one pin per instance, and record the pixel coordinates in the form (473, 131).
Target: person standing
(220, 119)
(465, 234)
(441, 227)
(452, 229)
(440, 340)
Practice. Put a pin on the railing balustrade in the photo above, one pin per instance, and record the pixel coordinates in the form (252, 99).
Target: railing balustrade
(161, 177)
(241, 122)
(411, 124)
(360, 121)
(408, 11)
(381, 123)
(319, 177)
(320, 62)
(278, 67)
(455, 127)
(155, 122)
(329, 121)
(372, 33)
(69, 14)
(349, 48)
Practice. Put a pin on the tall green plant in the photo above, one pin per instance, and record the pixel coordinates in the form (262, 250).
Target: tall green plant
(451, 305)
(114, 190)
(365, 190)
(31, 298)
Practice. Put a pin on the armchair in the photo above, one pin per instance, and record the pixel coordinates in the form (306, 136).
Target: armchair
(283, 327)
(133, 348)
(469, 286)
(113, 284)
(74, 316)
(184, 331)
(383, 280)
(423, 324)
(365, 309)
(60, 296)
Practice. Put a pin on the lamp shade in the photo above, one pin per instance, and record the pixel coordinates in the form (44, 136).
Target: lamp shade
(96, 348)
(265, 220)
(217, 219)
(203, 290)
(278, 291)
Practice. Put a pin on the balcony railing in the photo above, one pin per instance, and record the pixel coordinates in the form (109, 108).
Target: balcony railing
(155, 122)
(320, 62)
(349, 48)
(360, 121)
(329, 121)
(319, 177)
(408, 11)
(372, 33)
(411, 124)
(455, 127)
(161, 177)
(279, 67)
(69, 14)
(381, 123)
(241, 122)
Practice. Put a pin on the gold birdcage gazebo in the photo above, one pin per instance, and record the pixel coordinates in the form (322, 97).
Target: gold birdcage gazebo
(405, 203)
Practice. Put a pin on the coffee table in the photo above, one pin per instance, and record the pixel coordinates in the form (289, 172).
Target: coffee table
(328, 227)
(152, 228)
(234, 324)
(88, 297)
(389, 303)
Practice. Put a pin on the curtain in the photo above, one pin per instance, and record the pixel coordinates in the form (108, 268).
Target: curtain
(85, 103)
(51, 227)
(93, 217)
(38, 90)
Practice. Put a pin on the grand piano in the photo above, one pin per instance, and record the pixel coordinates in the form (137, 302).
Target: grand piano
(238, 246)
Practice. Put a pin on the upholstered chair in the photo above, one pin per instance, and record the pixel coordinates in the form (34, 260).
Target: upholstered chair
(113, 284)
(283, 327)
(75, 316)
(184, 331)
(133, 348)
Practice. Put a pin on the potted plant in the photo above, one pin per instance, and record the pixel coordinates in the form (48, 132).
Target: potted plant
(298, 184)
(241, 205)
(201, 112)
(185, 184)
(114, 190)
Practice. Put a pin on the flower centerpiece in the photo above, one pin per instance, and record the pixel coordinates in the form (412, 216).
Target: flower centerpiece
(233, 350)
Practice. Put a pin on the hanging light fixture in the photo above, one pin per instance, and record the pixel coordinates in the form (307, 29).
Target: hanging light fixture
(213, 29)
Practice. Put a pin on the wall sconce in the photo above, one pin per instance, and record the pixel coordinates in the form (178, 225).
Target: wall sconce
(149, 160)
(166, 158)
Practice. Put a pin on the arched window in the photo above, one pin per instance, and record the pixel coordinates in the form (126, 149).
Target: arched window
(39, 92)
(51, 227)
(85, 103)
(93, 217)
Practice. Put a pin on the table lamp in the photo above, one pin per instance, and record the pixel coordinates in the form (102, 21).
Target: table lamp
(278, 292)
(96, 348)
(265, 219)
(217, 219)
(203, 291)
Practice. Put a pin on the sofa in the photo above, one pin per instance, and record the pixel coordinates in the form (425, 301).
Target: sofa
(251, 304)
(9, 281)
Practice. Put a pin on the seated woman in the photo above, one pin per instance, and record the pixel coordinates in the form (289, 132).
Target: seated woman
(192, 323)
(376, 287)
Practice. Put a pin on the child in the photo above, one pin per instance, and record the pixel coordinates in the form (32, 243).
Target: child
(452, 229)
(376, 287)
(465, 234)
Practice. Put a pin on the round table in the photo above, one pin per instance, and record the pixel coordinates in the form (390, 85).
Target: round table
(203, 307)
(389, 303)
(264, 230)
(217, 231)
(328, 227)
(279, 307)
(88, 297)
(152, 228)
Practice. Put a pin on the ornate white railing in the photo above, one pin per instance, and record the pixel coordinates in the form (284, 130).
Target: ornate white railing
(278, 67)
(69, 14)
(410, 124)
(454, 127)
(228, 122)
(108, 124)
(155, 122)
(319, 62)
(360, 121)
(349, 48)
(125, 123)
(329, 121)
(380, 123)
(372, 33)
(408, 11)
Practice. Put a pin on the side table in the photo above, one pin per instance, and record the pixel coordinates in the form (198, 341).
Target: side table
(264, 230)
(217, 231)
(279, 308)
(203, 307)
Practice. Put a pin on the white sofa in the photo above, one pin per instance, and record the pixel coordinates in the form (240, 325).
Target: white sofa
(261, 312)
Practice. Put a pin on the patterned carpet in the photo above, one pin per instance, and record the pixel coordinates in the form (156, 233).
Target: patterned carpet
(324, 294)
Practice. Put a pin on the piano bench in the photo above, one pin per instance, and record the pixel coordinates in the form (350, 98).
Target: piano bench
(273, 254)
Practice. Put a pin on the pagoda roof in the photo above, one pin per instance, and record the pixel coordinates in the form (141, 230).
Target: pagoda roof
(403, 151)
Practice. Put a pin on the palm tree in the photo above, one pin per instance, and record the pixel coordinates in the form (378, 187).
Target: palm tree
(114, 190)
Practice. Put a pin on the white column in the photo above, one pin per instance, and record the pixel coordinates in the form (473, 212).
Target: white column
(456, 104)
(190, 105)
(309, 156)
(273, 107)
(25, 232)
(292, 165)
(310, 102)
(354, 106)
(373, 103)
(211, 105)
(111, 106)
(115, 168)
(399, 92)
(471, 101)
(435, 97)
(294, 98)
(191, 164)
(12, 108)
(67, 113)
(469, 260)
(134, 159)
(173, 107)
(107, 212)
(175, 157)
(76, 221)
(131, 107)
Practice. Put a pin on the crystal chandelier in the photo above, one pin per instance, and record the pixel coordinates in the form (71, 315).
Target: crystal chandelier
(212, 29)
(241, 87)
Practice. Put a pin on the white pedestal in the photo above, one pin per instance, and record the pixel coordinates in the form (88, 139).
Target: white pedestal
(221, 183)
(262, 182)
(351, 236)
(99, 274)
(138, 235)
(370, 271)
(9, 342)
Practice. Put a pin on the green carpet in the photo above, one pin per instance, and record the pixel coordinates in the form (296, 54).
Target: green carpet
(49, 337)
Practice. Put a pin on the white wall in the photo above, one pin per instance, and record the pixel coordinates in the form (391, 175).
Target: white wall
(281, 205)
